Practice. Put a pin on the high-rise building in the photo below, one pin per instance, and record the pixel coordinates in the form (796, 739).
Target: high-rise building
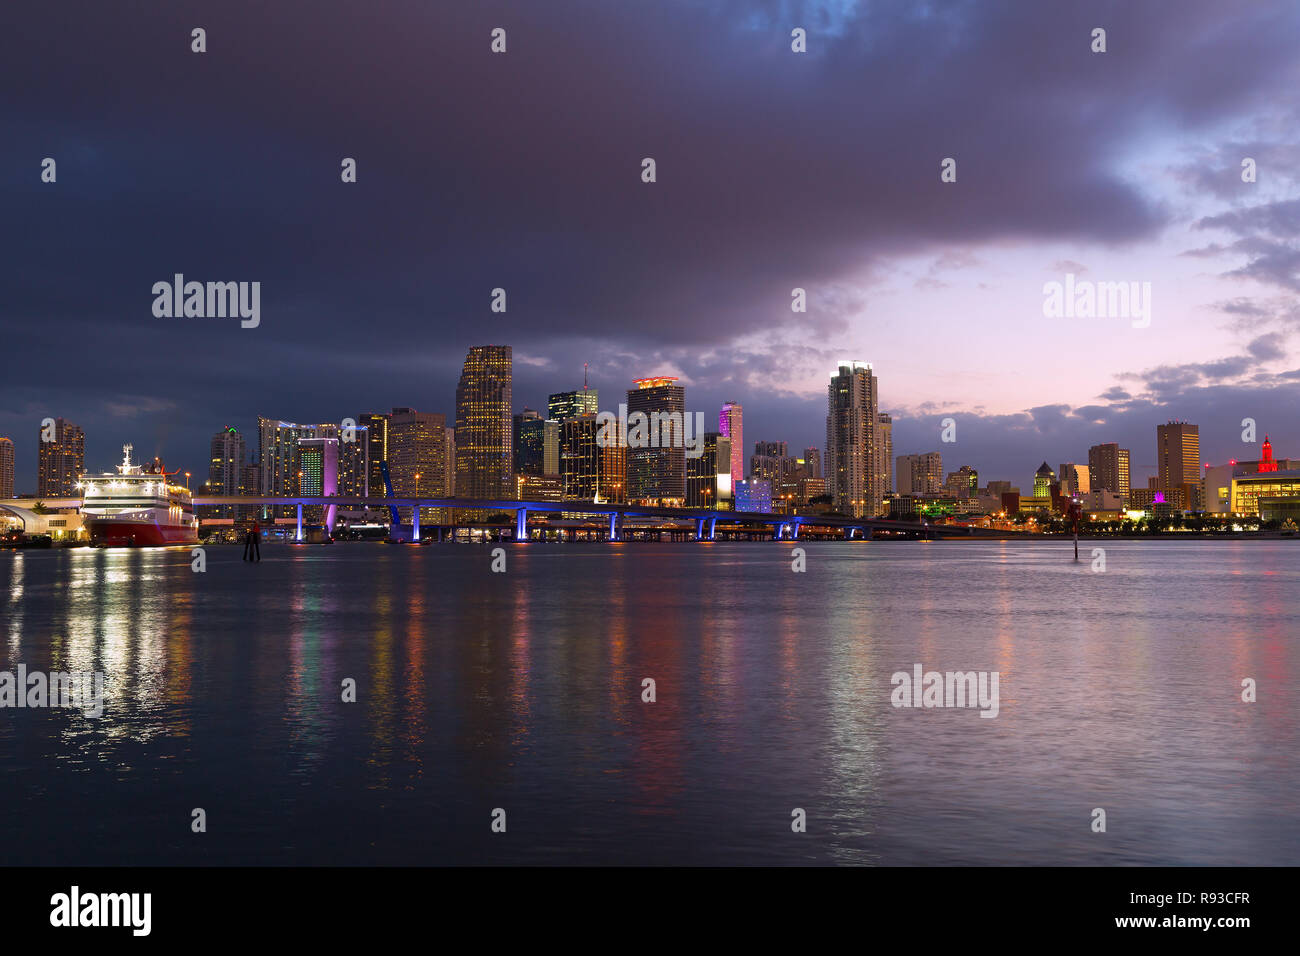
(770, 461)
(226, 461)
(61, 459)
(1108, 469)
(318, 467)
(354, 462)
(417, 448)
(277, 446)
(450, 454)
(376, 425)
(530, 442)
(731, 425)
(551, 447)
(1075, 479)
(812, 462)
(485, 424)
(225, 467)
(1178, 454)
(6, 467)
(884, 469)
(562, 406)
(580, 458)
(919, 474)
(850, 465)
(962, 483)
(702, 473)
(656, 469)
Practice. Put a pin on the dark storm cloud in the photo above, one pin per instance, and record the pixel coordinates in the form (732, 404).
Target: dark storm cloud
(522, 171)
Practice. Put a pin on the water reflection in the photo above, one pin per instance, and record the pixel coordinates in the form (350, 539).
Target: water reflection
(477, 690)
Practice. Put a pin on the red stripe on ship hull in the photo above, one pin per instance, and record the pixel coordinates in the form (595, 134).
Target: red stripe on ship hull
(115, 534)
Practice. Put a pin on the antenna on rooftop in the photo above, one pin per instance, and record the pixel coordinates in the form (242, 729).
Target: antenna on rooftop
(584, 376)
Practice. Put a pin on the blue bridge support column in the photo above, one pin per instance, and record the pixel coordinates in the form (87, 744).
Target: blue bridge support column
(415, 524)
(794, 530)
(613, 526)
(521, 524)
(713, 529)
(699, 529)
(299, 537)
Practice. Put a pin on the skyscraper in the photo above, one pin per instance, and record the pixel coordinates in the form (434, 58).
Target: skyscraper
(6, 467)
(656, 469)
(884, 469)
(61, 459)
(731, 425)
(277, 452)
(530, 442)
(1178, 454)
(581, 460)
(562, 406)
(1108, 469)
(851, 417)
(376, 425)
(417, 448)
(702, 473)
(354, 462)
(484, 424)
(225, 467)
(450, 432)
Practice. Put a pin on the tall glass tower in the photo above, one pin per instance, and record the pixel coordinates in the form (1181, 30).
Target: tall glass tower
(485, 424)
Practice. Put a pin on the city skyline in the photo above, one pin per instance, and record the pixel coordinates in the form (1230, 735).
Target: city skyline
(940, 283)
(275, 476)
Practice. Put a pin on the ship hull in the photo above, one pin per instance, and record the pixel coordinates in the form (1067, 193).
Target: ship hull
(137, 533)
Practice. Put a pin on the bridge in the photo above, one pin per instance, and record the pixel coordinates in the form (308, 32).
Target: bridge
(704, 520)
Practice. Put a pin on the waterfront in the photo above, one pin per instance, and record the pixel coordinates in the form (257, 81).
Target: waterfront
(522, 690)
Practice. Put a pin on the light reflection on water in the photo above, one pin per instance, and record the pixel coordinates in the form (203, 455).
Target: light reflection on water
(523, 691)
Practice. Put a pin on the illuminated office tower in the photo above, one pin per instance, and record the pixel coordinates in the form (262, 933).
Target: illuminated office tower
(530, 443)
(580, 458)
(317, 473)
(225, 467)
(1108, 469)
(61, 461)
(318, 467)
(565, 405)
(1178, 454)
(551, 447)
(417, 449)
(484, 424)
(656, 469)
(731, 425)
(703, 489)
(851, 421)
(1178, 457)
(6, 468)
(376, 425)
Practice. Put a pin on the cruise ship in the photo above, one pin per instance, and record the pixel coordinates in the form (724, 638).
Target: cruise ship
(137, 507)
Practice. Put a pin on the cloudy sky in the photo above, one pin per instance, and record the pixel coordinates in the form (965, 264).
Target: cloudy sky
(775, 170)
